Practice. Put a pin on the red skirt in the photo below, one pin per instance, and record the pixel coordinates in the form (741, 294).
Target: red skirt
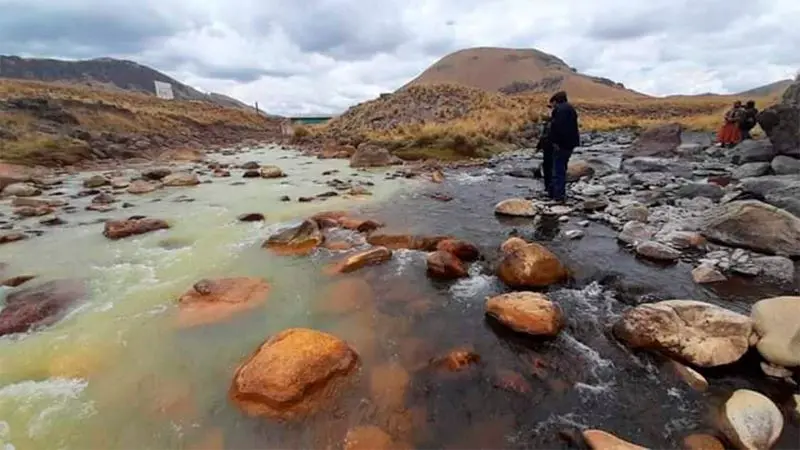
(729, 134)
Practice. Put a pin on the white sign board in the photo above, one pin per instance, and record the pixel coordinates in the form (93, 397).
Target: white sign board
(164, 90)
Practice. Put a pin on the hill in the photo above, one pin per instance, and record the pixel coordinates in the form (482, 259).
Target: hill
(768, 90)
(109, 73)
(514, 71)
(57, 124)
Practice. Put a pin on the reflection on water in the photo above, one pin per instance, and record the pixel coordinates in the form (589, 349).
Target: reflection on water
(118, 373)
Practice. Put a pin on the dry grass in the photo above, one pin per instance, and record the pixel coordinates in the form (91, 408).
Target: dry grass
(450, 122)
(101, 110)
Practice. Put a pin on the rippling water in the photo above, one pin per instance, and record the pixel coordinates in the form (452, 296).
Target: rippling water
(117, 373)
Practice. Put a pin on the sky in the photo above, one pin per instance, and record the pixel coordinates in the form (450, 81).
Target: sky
(323, 56)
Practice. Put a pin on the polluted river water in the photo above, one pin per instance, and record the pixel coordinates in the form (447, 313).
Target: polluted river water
(119, 373)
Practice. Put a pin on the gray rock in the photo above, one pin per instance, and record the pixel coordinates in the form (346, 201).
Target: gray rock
(785, 165)
(616, 180)
(595, 204)
(645, 164)
(651, 179)
(777, 268)
(753, 150)
(661, 141)
(753, 169)
(782, 191)
(657, 251)
(635, 232)
(706, 273)
(754, 225)
(574, 234)
(707, 190)
(635, 211)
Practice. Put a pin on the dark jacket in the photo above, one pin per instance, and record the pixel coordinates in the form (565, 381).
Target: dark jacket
(564, 126)
(748, 119)
(544, 143)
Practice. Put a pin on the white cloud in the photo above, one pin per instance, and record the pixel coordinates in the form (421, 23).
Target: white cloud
(325, 55)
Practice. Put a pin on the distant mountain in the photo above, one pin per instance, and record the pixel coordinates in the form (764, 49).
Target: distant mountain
(516, 71)
(106, 72)
(777, 89)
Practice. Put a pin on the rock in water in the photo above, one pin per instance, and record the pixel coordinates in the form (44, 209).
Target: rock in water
(293, 374)
(600, 440)
(181, 179)
(512, 244)
(95, 181)
(370, 155)
(531, 266)
(695, 332)
(371, 257)
(704, 274)
(21, 190)
(461, 249)
(517, 207)
(299, 240)
(527, 312)
(751, 421)
(657, 251)
(156, 174)
(776, 321)
(445, 266)
(369, 438)
(661, 141)
(141, 187)
(755, 225)
(701, 441)
(271, 172)
(118, 229)
(38, 306)
(216, 300)
(13, 236)
(250, 217)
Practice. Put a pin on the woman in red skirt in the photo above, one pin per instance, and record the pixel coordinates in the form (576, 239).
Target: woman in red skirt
(730, 134)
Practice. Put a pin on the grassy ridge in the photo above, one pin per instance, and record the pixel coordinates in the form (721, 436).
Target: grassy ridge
(450, 122)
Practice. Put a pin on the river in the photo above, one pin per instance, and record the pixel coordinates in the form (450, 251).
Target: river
(118, 373)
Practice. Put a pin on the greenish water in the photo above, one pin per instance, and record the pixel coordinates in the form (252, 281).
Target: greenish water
(117, 372)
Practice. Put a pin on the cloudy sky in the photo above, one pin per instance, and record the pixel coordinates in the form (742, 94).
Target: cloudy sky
(321, 56)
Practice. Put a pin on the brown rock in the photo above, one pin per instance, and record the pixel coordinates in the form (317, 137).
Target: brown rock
(181, 179)
(700, 441)
(13, 236)
(370, 155)
(33, 211)
(461, 249)
(578, 169)
(141, 187)
(693, 378)
(250, 217)
(216, 300)
(661, 141)
(755, 225)
(299, 240)
(517, 207)
(388, 384)
(405, 241)
(99, 207)
(527, 312)
(156, 174)
(118, 229)
(39, 306)
(18, 280)
(531, 266)
(512, 244)
(221, 173)
(332, 150)
(371, 257)
(293, 374)
(21, 190)
(456, 360)
(369, 438)
(103, 198)
(360, 225)
(437, 176)
(120, 183)
(445, 266)
(271, 172)
(337, 246)
(600, 440)
(37, 202)
(95, 181)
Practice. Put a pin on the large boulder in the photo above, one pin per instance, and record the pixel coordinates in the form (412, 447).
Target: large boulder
(749, 170)
(527, 312)
(751, 421)
(786, 165)
(752, 151)
(782, 125)
(531, 266)
(644, 164)
(776, 321)
(21, 190)
(754, 225)
(293, 374)
(695, 332)
(181, 179)
(371, 155)
(34, 307)
(782, 191)
(661, 141)
(297, 240)
(516, 207)
(118, 229)
(211, 301)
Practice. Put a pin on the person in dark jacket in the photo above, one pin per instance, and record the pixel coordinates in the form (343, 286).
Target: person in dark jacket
(546, 147)
(565, 136)
(748, 119)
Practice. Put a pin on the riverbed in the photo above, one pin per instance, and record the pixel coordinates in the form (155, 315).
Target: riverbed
(119, 373)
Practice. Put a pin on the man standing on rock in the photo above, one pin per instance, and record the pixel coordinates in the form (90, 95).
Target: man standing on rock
(748, 120)
(565, 137)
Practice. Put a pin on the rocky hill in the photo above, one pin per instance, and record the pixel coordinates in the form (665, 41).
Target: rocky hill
(514, 71)
(775, 89)
(109, 73)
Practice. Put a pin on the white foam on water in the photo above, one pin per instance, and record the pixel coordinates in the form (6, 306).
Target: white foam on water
(405, 259)
(596, 362)
(465, 178)
(477, 287)
(44, 400)
(594, 389)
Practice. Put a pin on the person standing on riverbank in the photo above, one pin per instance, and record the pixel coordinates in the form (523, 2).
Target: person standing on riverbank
(545, 145)
(730, 134)
(565, 136)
